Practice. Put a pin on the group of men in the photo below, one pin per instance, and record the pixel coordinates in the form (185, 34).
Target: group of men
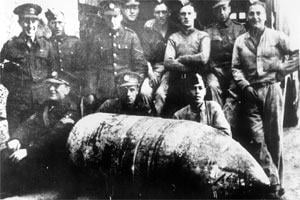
(160, 68)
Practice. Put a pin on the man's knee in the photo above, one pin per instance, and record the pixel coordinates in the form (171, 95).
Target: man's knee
(146, 90)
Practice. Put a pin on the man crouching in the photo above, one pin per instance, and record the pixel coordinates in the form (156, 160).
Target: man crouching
(129, 100)
(199, 110)
(37, 147)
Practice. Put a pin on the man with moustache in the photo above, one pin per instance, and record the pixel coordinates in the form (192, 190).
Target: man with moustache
(29, 60)
(257, 63)
(187, 51)
(223, 34)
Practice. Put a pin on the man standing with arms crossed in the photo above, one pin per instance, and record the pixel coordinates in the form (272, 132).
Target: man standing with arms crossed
(187, 51)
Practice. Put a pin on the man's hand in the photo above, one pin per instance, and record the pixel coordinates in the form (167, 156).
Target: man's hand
(14, 145)
(18, 155)
(152, 76)
(250, 94)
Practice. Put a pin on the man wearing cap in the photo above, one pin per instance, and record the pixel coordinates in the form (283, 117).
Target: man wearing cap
(39, 142)
(132, 20)
(187, 51)
(128, 101)
(259, 57)
(199, 110)
(29, 60)
(222, 33)
(154, 41)
(116, 49)
(67, 49)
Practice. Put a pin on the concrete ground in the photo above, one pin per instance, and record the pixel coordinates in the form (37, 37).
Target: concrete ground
(291, 177)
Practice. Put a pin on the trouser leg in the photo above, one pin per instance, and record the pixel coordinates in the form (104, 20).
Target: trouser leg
(257, 146)
(146, 93)
(161, 93)
(273, 124)
(214, 91)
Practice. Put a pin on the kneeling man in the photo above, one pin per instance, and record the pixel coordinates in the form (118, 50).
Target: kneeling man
(199, 110)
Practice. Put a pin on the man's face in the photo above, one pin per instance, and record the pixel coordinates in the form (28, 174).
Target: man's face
(58, 92)
(113, 21)
(131, 12)
(197, 93)
(161, 13)
(57, 27)
(187, 16)
(222, 12)
(129, 94)
(257, 16)
(29, 26)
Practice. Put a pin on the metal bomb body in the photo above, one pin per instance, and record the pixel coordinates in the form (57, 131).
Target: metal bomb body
(139, 149)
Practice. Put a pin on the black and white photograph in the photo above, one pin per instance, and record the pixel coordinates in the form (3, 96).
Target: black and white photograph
(149, 99)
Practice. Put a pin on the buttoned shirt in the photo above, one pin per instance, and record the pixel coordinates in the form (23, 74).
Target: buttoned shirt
(69, 60)
(259, 64)
(191, 47)
(223, 36)
(117, 52)
(67, 52)
(210, 113)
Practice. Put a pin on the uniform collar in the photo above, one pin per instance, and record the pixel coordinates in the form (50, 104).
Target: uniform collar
(117, 32)
(23, 38)
(225, 24)
(59, 38)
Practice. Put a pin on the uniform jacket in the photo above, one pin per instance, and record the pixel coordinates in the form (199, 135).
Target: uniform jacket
(29, 61)
(116, 106)
(192, 47)
(154, 44)
(223, 36)
(113, 53)
(259, 64)
(69, 59)
(46, 127)
(210, 114)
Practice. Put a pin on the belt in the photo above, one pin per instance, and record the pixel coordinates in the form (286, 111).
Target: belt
(263, 84)
(183, 76)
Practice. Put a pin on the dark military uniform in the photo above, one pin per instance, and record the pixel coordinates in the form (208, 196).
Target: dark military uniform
(223, 36)
(116, 106)
(137, 26)
(69, 61)
(46, 125)
(113, 53)
(30, 62)
(44, 136)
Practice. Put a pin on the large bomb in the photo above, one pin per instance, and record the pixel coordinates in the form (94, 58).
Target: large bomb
(177, 155)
